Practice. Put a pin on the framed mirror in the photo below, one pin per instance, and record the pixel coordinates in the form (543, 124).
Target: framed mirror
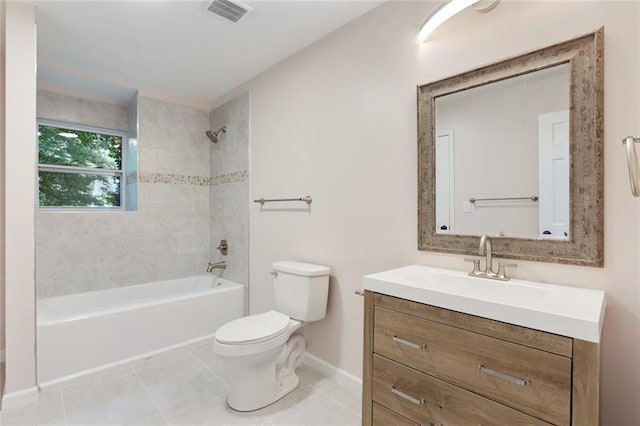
(514, 150)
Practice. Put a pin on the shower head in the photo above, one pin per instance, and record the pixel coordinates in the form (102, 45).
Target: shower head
(213, 136)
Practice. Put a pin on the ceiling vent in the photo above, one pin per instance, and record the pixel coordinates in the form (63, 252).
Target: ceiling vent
(232, 10)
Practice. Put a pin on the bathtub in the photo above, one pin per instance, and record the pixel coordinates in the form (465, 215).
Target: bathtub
(82, 333)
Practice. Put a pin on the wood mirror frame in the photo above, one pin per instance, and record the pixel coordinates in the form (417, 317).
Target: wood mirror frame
(585, 246)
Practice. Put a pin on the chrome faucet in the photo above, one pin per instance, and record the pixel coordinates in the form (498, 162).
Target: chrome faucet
(216, 265)
(485, 249)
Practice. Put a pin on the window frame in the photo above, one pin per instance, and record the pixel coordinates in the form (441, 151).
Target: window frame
(122, 173)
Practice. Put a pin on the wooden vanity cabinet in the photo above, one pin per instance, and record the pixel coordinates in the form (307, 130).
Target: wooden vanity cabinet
(425, 365)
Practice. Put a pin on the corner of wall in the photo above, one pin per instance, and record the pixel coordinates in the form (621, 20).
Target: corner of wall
(19, 200)
(2, 180)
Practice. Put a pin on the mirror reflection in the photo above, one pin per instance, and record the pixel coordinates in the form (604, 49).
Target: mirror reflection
(502, 157)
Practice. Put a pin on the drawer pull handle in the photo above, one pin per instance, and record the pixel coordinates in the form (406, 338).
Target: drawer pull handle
(515, 380)
(407, 343)
(407, 397)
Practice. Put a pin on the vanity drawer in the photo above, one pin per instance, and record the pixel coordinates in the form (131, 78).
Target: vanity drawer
(430, 401)
(532, 381)
(382, 416)
(548, 342)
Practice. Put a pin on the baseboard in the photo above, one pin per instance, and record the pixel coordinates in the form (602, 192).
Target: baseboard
(330, 370)
(19, 398)
(120, 362)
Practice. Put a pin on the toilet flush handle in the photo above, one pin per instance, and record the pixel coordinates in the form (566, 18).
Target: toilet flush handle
(274, 273)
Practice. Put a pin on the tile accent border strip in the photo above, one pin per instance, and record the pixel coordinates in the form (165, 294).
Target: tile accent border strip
(179, 179)
(239, 176)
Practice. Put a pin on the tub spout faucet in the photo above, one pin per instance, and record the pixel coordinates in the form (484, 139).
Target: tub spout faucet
(216, 265)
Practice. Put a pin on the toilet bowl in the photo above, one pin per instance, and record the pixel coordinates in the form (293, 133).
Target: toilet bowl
(262, 354)
(263, 350)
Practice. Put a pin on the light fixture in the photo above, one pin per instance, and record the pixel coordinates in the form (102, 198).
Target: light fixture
(68, 135)
(449, 9)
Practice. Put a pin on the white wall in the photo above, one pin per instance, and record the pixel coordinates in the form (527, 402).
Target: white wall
(20, 136)
(2, 181)
(338, 121)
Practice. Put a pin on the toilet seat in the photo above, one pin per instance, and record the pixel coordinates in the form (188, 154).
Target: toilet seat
(258, 346)
(253, 328)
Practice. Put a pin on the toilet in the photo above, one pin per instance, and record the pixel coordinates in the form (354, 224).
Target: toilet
(263, 350)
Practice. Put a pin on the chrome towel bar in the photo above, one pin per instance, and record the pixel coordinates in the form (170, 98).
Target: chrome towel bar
(306, 199)
(533, 198)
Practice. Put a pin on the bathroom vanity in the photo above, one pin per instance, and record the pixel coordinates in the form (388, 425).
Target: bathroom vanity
(443, 348)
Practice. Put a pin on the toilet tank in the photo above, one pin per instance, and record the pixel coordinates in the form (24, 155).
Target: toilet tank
(301, 289)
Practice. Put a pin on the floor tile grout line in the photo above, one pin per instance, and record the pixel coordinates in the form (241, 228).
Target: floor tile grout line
(206, 367)
(326, 394)
(337, 401)
(146, 390)
(64, 409)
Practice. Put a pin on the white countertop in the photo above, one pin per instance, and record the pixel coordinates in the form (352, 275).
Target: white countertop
(568, 311)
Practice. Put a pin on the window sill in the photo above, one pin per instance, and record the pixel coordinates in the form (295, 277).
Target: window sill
(82, 210)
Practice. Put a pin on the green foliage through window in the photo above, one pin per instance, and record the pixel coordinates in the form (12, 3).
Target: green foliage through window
(79, 168)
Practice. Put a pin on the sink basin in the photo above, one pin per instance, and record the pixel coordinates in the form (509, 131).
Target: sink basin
(568, 311)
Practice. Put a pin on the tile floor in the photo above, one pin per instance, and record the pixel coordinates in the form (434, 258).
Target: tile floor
(183, 386)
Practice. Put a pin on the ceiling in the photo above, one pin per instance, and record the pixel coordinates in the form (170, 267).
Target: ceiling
(175, 48)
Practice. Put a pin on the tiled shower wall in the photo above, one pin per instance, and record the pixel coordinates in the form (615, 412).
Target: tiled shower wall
(229, 192)
(167, 237)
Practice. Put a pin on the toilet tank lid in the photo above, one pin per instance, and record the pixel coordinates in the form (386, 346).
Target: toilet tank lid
(299, 268)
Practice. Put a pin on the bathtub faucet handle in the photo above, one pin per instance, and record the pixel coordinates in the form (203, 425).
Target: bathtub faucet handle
(223, 247)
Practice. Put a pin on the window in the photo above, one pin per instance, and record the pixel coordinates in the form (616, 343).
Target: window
(80, 167)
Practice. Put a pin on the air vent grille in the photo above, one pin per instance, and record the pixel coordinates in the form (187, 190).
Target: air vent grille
(231, 10)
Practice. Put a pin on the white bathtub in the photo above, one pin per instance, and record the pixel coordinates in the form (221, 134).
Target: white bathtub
(80, 333)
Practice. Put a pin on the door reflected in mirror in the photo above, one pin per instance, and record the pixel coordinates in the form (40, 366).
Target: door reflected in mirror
(502, 156)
